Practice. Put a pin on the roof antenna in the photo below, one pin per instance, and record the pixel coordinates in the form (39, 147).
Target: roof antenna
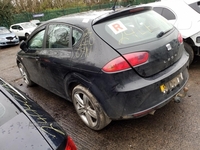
(113, 8)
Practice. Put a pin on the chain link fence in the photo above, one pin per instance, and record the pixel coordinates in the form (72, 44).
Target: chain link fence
(50, 14)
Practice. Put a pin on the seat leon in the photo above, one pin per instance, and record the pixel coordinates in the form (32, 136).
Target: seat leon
(111, 64)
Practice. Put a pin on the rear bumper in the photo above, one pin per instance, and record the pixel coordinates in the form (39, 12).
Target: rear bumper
(155, 99)
(141, 96)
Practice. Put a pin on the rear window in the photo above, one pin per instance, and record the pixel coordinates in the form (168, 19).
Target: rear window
(7, 109)
(132, 29)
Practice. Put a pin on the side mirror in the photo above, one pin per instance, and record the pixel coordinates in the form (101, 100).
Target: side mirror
(23, 46)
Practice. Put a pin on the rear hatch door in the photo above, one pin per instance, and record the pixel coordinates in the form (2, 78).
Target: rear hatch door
(142, 30)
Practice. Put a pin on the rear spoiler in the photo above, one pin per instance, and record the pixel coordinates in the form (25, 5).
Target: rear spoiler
(122, 12)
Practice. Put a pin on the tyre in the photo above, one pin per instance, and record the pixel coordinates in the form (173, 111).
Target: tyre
(88, 108)
(25, 75)
(190, 51)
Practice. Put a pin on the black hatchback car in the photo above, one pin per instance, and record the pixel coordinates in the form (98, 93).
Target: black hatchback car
(25, 125)
(111, 64)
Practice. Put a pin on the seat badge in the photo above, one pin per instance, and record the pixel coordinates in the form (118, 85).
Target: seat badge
(169, 47)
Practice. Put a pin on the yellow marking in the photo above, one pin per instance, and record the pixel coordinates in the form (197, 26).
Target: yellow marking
(162, 88)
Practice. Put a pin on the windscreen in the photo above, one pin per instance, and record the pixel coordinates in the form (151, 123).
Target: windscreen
(133, 29)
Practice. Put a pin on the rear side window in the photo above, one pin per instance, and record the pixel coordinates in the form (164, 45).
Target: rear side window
(16, 27)
(133, 29)
(158, 10)
(168, 14)
(196, 6)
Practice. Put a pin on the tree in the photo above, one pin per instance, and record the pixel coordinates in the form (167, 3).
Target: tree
(6, 12)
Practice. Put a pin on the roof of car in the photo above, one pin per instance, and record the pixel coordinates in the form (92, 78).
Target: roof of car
(86, 19)
(80, 19)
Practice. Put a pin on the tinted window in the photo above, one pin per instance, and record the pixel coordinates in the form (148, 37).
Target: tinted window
(158, 10)
(15, 27)
(133, 29)
(58, 36)
(195, 6)
(168, 14)
(37, 40)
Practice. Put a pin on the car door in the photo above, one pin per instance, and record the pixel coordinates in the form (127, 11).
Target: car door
(31, 59)
(56, 63)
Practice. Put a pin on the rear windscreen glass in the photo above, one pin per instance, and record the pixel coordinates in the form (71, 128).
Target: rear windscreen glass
(132, 29)
(7, 109)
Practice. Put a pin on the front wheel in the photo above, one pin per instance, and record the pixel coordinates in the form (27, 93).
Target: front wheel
(88, 108)
(190, 51)
(25, 75)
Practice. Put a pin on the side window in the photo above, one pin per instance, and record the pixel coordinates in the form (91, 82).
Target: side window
(37, 40)
(20, 28)
(158, 10)
(58, 36)
(15, 27)
(168, 14)
(76, 35)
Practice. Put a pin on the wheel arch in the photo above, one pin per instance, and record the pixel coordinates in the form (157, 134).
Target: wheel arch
(74, 79)
(189, 41)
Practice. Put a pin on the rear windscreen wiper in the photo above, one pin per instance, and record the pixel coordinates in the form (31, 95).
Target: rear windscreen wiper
(162, 33)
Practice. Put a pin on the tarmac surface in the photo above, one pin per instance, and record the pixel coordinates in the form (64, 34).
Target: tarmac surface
(175, 126)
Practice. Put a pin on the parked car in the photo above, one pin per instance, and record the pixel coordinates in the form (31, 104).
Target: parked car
(7, 38)
(25, 125)
(23, 30)
(185, 16)
(111, 64)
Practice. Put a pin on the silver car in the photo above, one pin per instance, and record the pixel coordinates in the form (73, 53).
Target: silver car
(7, 37)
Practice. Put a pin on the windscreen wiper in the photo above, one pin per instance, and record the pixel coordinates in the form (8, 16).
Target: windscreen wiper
(162, 33)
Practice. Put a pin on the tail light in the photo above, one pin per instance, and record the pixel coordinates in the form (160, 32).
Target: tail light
(180, 38)
(70, 144)
(120, 64)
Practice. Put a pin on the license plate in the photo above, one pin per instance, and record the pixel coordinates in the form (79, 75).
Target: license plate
(167, 87)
